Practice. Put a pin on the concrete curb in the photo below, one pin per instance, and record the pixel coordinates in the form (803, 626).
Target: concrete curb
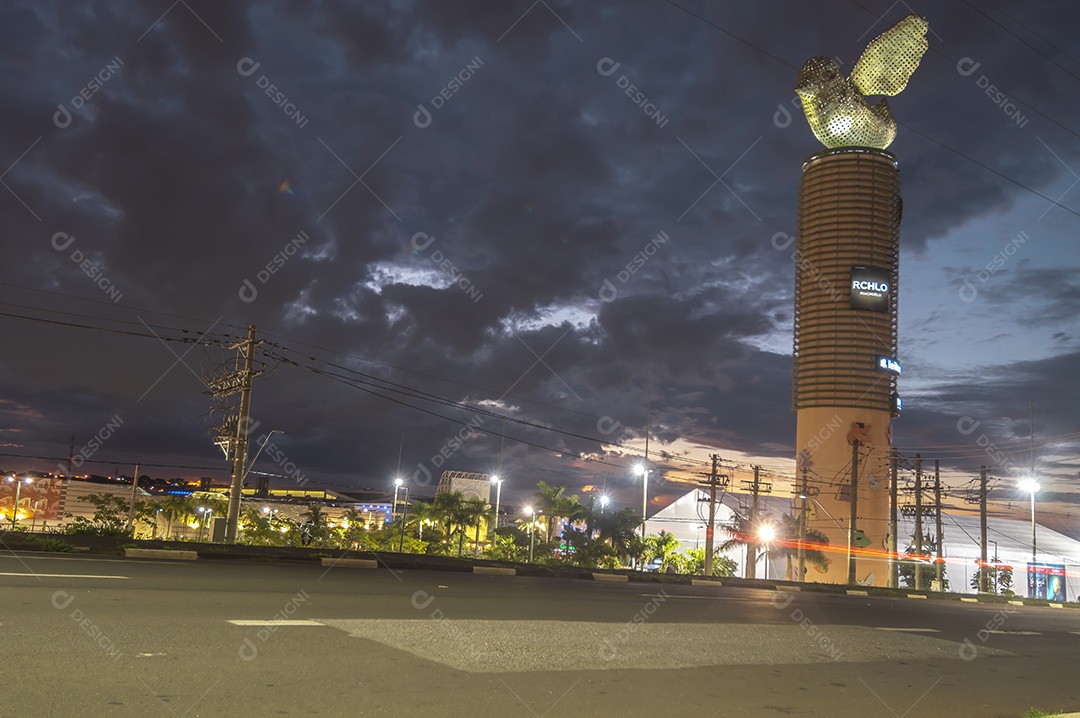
(704, 582)
(161, 553)
(494, 571)
(349, 562)
(853, 592)
(611, 577)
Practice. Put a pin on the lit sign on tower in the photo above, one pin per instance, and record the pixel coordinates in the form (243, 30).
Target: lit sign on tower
(870, 289)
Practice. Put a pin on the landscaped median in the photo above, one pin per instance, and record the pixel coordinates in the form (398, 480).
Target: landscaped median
(337, 559)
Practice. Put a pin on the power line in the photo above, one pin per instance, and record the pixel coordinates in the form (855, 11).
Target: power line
(113, 305)
(1052, 45)
(1040, 52)
(76, 325)
(918, 132)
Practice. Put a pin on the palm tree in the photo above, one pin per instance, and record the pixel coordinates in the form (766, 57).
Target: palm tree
(570, 509)
(666, 548)
(786, 545)
(314, 524)
(475, 510)
(176, 508)
(742, 531)
(449, 506)
(551, 500)
(619, 528)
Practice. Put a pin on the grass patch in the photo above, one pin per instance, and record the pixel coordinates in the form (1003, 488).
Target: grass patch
(54, 545)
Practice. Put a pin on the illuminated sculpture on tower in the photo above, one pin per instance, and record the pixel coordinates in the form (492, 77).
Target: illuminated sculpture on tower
(846, 296)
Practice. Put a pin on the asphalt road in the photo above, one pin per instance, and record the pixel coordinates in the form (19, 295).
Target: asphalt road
(127, 637)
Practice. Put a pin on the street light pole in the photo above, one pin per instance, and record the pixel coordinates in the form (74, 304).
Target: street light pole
(1032, 486)
(766, 534)
(644, 473)
(18, 493)
(404, 520)
(1033, 535)
(393, 509)
(532, 528)
(497, 480)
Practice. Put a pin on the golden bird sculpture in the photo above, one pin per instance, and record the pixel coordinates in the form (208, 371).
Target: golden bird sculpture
(836, 106)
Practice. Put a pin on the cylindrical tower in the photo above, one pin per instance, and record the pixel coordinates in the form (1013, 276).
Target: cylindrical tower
(844, 389)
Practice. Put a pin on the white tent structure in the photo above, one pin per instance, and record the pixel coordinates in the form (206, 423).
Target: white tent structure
(1008, 539)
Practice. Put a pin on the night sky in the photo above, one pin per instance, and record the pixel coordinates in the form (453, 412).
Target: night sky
(554, 212)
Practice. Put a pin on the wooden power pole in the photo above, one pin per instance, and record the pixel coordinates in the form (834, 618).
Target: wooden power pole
(709, 530)
(241, 446)
(939, 563)
(851, 573)
(983, 570)
(918, 522)
(894, 564)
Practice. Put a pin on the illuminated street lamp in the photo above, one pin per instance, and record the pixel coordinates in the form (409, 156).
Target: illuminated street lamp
(1032, 486)
(604, 501)
(532, 527)
(18, 491)
(404, 520)
(766, 533)
(643, 472)
(498, 497)
(397, 485)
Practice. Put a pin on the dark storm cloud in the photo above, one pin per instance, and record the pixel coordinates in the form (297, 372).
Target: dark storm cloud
(540, 181)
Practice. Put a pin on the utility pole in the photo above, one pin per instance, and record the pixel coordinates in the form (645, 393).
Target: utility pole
(894, 565)
(918, 522)
(851, 577)
(241, 446)
(71, 456)
(937, 514)
(134, 491)
(804, 497)
(983, 571)
(751, 551)
(751, 541)
(645, 468)
(712, 518)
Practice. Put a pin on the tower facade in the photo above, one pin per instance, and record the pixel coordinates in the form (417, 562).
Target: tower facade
(845, 348)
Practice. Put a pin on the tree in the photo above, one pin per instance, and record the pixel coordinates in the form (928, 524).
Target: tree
(474, 512)
(618, 528)
(551, 500)
(314, 526)
(506, 547)
(664, 546)
(742, 531)
(176, 508)
(786, 545)
(999, 579)
(722, 565)
(909, 559)
(455, 514)
(110, 517)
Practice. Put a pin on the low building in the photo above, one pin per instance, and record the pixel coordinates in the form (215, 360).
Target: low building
(1057, 570)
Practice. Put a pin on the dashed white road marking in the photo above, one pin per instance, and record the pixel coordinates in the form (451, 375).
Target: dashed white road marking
(283, 622)
(60, 575)
(908, 630)
(20, 555)
(1018, 633)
